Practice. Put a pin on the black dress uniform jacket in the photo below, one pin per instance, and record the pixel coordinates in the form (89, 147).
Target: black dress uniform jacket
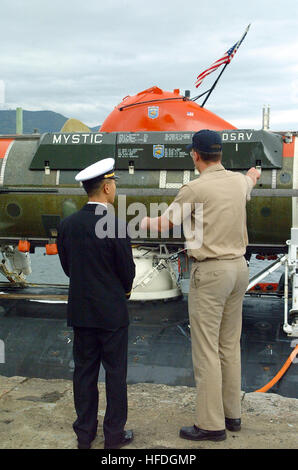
(101, 271)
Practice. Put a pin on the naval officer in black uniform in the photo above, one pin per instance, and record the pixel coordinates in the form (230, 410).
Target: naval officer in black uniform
(101, 269)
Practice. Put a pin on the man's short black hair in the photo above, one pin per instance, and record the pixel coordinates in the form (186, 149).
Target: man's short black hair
(210, 157)
(94, 185)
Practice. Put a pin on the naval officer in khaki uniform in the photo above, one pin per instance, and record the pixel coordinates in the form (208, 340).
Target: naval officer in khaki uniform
(218, 282)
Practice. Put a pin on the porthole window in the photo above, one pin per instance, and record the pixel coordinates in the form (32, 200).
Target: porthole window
(13, 210)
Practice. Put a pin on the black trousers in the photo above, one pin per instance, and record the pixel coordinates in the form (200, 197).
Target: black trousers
(91, 347)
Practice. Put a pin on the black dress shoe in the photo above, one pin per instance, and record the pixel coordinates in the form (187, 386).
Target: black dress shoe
(127, 438)
(86, 445)
(194, 433)
(233, 424)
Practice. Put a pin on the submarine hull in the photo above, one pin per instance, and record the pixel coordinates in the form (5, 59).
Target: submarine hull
(38, 187)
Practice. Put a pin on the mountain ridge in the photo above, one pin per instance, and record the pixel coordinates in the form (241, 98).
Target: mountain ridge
(34, 121)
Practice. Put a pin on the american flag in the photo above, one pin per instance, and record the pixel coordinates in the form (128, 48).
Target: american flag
(225, 59)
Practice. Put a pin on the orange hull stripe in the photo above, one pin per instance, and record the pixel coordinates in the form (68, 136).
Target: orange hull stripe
(4, 144)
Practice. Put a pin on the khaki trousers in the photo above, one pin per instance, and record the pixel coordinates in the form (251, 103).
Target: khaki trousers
(217, 288)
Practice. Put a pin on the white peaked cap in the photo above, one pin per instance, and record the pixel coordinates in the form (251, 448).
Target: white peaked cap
(104, 168)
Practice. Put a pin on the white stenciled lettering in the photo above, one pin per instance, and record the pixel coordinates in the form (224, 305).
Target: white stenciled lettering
(85, 136)
(236, 136)
(57, 139)
(75, 139)
(98, 139)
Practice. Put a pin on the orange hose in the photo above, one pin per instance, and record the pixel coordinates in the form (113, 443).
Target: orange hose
(281, 372)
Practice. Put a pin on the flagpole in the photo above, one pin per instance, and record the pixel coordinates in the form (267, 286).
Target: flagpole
(214, 84)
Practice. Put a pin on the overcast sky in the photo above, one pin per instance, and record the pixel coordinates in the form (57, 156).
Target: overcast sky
(81, 58)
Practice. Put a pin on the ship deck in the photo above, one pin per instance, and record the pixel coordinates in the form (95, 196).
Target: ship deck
(39, 344)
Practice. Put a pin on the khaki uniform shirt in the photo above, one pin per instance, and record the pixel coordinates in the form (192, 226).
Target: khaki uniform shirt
(215, 204)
